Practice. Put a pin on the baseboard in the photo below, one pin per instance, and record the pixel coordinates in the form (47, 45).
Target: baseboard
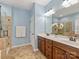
(35, 50)
(24, 45)
(21, 45)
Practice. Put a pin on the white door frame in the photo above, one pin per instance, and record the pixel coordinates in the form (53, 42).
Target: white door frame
(32, 32)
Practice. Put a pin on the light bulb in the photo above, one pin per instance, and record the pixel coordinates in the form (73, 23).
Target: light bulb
(73, 2)
(66, 4)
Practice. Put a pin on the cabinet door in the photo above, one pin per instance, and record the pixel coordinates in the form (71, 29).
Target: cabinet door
(39, 43)
(69, 56)
(58, 53)
(42, 45)
(49, 49)
(73, 57)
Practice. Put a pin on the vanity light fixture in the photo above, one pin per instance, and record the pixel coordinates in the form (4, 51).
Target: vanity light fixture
(72, 2)
(50, 12)
(68, 3)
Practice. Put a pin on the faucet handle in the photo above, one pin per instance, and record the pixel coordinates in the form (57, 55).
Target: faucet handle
(72, 39)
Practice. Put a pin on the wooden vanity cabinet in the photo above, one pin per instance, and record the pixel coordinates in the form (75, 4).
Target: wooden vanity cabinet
(46, 47)
(49, 49)
(70, 56)
(58, 53)
(73, 57)
(61, 54)
(56, 50)
(39, 43)
(62, 51)
(42, 45)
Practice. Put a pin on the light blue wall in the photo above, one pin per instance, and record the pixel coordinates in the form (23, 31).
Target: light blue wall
(39, 21)
(38, 13)
(48, 24)
(20, 17)
(33, 10)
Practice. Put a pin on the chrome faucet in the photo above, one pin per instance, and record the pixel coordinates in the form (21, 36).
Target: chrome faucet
(72, 39)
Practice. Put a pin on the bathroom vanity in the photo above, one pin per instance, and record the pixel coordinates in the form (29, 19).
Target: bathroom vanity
(58, 47)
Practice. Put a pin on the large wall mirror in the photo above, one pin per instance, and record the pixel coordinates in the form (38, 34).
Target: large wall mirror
(66, 25)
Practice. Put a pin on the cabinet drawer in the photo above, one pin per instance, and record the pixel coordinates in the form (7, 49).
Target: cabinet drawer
(49, 42)
(42, 45)
(70, 56)
(49, 48)
(49, 52)
(49, 45)
(59, 51)
(66, 48)
(49, 55)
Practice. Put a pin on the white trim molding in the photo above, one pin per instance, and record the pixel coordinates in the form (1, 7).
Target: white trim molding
(21, 45)
(24, 45)
(35, 50)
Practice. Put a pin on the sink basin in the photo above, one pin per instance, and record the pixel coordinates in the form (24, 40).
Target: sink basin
(62, 38)
(65, 40)
(71, 43)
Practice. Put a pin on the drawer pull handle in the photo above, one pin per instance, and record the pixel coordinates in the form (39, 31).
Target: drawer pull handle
(74, 53)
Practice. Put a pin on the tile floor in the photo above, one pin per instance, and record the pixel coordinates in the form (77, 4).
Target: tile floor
(25, 52)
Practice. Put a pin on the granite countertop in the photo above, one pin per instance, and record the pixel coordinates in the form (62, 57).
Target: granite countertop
(61, 39)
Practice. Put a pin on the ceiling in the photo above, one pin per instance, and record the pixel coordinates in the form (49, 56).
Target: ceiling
(25, 4)
(67, 11)
(60, 10)
(56, 4)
